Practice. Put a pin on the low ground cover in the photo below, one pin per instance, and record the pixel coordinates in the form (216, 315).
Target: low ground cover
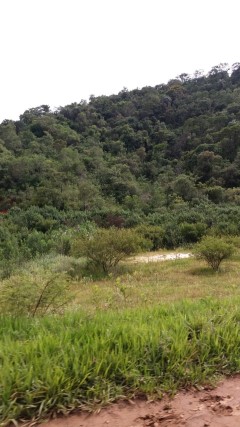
(141, 285)
(149, 328)
(77, 361)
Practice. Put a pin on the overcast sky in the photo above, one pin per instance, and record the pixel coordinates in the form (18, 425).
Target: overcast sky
(57, 52)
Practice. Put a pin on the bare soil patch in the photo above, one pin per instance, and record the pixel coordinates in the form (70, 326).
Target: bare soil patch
(218, 407)
(161, 257)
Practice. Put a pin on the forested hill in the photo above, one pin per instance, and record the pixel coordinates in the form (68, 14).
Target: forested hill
(128, 158)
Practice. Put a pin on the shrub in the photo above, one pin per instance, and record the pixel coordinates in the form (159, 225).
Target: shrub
(34, 294)
(214, 250)
(9, 252)
(37, 243)
(153, 233)
(215, 194)
(171, 238)
(107, 247)
(8, 245)
(191, 233)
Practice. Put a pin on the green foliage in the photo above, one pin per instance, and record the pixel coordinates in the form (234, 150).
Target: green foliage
(191, 233)
(70, 361)
(64, 246)
(63, 239)
(214, 250)
(8, 245)
(165, 156)
(10, 253)
(215, 194)
(35, 294)
(164, 160)
(36, 243)
(171, 238)
(82, 154)
(153, 233)
(35, 218)
(184, 187)
(107, 247)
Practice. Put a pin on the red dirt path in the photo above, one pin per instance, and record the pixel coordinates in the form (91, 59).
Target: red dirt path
(218, 407)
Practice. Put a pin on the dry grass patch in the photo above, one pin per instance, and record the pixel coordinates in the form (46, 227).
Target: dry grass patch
(150, 283)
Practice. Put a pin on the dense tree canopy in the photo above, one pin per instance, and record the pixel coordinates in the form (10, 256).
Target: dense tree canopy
(162, 156)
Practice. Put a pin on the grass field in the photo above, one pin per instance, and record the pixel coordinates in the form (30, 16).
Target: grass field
(149, 283)
(151, 329)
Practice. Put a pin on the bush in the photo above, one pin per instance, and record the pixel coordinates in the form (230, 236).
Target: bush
(153, 233)
(8, 245)
(37, 243)
(171, 238)
(9, 252)
(34, 294)
(214, 250)
(191, 233)
(107, 247)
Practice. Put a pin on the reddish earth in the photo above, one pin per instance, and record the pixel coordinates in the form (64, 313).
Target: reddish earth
(218, 407)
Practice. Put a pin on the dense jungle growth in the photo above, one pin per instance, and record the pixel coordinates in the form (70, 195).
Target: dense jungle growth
(163, 159)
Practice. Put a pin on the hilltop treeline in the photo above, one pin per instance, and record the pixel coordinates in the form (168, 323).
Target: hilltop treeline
(164, 156)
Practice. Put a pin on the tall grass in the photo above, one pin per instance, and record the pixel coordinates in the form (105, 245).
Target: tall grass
(55, 364)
